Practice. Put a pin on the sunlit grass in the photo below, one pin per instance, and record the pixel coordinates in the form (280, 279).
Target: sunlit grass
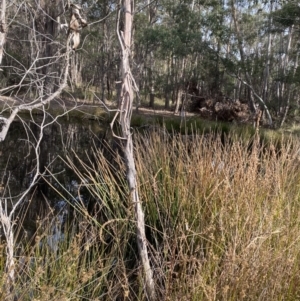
(227, 214)
(222, 215)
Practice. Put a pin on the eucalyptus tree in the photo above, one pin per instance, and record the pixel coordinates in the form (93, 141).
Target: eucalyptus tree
(268, 53)
(247, 27)
(98, 59)
(245, 61)
(286, 18)
(43, 66)
(35, 57)
(124, 113)
(171, 41)
(2, 28)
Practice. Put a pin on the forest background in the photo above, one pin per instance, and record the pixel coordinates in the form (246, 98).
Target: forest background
(245, 51)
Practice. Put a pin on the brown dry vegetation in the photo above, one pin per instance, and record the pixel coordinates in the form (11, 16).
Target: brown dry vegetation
(233, 234)
(222, 223)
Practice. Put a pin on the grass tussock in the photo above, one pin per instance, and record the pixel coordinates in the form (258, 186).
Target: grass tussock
(222, 219)
(226, 215)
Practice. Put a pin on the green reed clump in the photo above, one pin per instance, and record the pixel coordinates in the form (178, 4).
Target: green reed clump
(222, 217)
(95, 259)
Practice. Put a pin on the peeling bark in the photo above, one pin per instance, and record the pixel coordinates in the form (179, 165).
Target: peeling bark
(124, 113)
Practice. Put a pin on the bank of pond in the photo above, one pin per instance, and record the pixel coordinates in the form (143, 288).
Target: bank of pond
(221, 207)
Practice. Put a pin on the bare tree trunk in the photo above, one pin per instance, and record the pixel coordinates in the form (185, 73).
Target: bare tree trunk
(285, 61)
(2, 29)
(125, 111)
(166, 89)
(242, 55)
(47, 28)
(180, 88)
(268, 55)
(75, 70)
(288, 97)
(151, 82)
(151, 15)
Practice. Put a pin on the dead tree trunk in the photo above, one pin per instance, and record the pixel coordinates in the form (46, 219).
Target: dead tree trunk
(124, 113)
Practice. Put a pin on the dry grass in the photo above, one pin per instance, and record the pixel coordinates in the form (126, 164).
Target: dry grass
(228, 215)
(223, 223)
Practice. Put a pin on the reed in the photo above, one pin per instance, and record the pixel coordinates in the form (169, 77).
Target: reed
(222, 217)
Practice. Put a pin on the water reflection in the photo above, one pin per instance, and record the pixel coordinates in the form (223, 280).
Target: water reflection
(18, 164)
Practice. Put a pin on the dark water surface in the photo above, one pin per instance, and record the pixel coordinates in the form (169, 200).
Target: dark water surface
(18, 163)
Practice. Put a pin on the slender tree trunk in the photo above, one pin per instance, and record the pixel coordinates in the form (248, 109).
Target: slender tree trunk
(151, 14)
(125, 111)
(2, 29)
(75, 71)
(288, 101)
(166, 89)
(242, 55)
(47, 30)
(180, 88)
(285, 61)
(151, 82)
(268, 55)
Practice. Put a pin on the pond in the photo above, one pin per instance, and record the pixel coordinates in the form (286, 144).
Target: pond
(18, 162)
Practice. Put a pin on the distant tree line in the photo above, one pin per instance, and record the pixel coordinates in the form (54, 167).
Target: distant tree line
(242, 50)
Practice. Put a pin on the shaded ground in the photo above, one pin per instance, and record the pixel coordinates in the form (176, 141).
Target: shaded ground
(209, 109)
(83, 108)
(56, 107)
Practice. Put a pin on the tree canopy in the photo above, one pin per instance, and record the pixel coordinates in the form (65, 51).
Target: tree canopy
(231, 48)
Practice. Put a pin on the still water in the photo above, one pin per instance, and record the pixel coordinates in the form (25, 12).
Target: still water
(18, 163)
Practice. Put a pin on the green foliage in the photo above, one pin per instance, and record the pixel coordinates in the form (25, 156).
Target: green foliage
(288, 15)
(174, 42)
